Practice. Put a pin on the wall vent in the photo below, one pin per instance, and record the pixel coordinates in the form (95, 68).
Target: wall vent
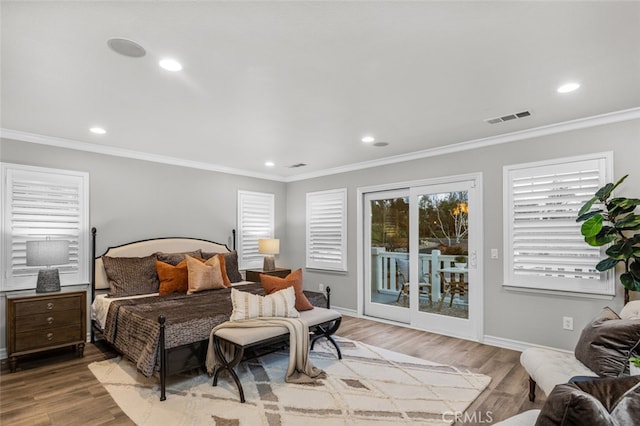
(295, 166)
(508, 117)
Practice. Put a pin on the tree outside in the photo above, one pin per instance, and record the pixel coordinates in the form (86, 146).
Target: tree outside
(443, 223)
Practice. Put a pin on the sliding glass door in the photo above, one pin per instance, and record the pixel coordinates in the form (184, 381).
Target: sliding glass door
(421, 251)
(387, 255)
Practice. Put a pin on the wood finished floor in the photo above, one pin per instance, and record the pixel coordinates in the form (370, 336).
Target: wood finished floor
(59, 389)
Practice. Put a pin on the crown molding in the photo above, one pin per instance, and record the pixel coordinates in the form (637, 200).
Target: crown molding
(581, 123)
(128, 153)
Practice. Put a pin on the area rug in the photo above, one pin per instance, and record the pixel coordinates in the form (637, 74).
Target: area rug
(369, 386)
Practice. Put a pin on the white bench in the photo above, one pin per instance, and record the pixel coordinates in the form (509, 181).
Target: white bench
(322, 322)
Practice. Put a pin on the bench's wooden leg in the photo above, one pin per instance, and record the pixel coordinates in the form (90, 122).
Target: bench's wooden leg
(532, 389)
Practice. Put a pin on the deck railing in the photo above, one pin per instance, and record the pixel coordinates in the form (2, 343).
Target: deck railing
(385, 270)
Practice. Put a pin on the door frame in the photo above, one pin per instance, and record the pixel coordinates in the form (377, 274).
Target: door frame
(478, 231)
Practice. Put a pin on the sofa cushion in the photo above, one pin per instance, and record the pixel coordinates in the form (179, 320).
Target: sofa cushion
(607, 342)
(603, 401)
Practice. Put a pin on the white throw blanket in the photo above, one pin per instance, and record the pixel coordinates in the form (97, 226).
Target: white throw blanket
(300, 369)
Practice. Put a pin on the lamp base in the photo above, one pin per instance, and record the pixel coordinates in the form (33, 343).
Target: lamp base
(269, 263)
(48, 281)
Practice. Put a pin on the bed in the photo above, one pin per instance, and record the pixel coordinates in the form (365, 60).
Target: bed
(167, 334)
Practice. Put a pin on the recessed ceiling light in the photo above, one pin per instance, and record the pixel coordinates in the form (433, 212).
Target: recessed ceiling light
(568, 87)
(269, 164)
(98, 130)
(368, 139)
(170, 65)
(126, 47)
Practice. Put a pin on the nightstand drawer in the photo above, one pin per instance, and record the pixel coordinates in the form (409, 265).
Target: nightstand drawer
(30, 307)
(40, 322)
(47, 338)
(49, 320)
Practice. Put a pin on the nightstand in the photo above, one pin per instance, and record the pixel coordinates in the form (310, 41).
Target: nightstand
(254, 274)
(45, 321)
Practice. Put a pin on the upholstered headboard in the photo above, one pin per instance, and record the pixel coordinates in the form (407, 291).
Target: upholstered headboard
(148, 247)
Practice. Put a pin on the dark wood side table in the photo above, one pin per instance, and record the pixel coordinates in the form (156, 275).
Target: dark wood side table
(254, 274)
(45, 321)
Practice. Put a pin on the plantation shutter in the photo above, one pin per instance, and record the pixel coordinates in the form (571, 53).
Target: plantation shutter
(545, 247)
(327, 230)
(255, 221)
(42, 204)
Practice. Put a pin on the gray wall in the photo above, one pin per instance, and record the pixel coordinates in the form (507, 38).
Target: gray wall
(511, 315)
(132, 200)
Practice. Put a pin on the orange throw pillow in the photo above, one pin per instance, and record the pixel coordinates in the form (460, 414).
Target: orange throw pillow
(272, 284)
(173, 279)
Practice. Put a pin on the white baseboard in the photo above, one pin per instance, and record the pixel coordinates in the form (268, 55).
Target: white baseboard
(515, 345)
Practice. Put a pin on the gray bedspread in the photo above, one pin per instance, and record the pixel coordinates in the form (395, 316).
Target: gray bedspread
(132, 325)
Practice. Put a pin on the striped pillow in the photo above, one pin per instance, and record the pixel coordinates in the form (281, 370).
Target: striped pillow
(279, 304)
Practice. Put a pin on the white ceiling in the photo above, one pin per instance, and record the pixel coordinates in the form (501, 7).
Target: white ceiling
(302, 82)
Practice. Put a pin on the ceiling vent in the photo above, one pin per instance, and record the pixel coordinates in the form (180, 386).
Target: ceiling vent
(508, 117)
(295, 166)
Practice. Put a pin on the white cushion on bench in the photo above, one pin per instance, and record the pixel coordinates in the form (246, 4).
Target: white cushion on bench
(317, 316)
(250, 335)
(549, 367)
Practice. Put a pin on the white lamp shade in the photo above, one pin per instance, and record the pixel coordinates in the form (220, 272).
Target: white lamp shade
(47, 252)
(269, 246)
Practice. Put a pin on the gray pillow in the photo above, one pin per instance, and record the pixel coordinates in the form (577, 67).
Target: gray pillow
(175, 258)
(607, 342)
(607, 401)
(230, 264)
(129, 276)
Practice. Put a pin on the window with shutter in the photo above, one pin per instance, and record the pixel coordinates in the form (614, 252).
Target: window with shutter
(544, 248)
(327, 230)
(38, 204)
(255, 220)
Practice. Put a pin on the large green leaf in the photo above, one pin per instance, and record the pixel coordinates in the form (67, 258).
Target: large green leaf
(604, 192)
(606, 235)
(621, 250)
(588, 215)
(634, 269)
(629, 222)
(606, 264)
(629, 282)
(618, 206)
(592, 226)
(587, 206)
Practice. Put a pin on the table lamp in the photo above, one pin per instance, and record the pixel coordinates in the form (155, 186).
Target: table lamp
(269, 246)
(47, 253)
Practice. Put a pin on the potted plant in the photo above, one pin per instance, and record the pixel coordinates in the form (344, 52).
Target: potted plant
(614, 222)
(460, 262)
(634, 366)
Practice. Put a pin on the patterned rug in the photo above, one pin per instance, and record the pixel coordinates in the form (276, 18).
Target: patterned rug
(369, 386)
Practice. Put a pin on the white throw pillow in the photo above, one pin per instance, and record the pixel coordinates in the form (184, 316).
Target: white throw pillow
(279, 304)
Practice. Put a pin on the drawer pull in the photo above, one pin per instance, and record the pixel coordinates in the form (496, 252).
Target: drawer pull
(50, 320)
(50, 305)
(49, 336)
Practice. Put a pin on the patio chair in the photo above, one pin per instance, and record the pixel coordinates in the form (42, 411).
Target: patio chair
(402, 283)
(452, 286)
